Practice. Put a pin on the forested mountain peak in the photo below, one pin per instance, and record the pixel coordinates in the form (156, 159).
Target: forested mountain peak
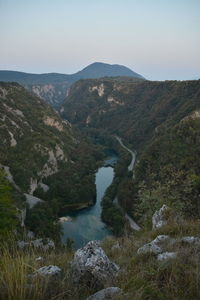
(54, 87)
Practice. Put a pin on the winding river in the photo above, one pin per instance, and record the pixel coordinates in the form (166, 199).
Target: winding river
(86, 225)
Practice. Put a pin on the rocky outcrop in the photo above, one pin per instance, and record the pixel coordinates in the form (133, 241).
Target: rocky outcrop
(47, 271)
(166, 256)
(92, 266)
(44, 244)
(191, 240)
(53, 123)
(106, 294)
(155, 246)
(160, 217)
(32, 200)
(99, 89)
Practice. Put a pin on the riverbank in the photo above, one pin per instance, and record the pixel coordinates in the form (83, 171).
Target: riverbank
(86, 224)
(132, 223)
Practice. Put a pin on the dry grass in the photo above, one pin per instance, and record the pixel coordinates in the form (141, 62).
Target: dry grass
(144, 277)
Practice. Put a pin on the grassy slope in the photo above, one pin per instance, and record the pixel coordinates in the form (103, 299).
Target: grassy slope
(141, 277)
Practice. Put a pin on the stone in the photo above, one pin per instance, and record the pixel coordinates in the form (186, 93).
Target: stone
(40, 258)
(48, 271)
(191, 240)
(45, 244)
(154, 246)
(166, 255)
(159, 218)
(92, 266)
(105, 294)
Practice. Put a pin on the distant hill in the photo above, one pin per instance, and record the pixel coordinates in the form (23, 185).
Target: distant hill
(54, 87)
(98, 70)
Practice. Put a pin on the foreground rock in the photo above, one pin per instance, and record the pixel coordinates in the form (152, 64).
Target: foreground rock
(159, 218)
(106, 294)
(92, 266)
(47, 271)
(165, 215)
(166, 256)
(155, 246)
(191, 240)
(44, 244)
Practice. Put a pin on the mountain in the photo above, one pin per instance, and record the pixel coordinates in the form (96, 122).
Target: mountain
(54, 87)
(161, 121)
(43, 157)
(97, 70)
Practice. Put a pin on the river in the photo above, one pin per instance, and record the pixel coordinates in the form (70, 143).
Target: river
(86, 225)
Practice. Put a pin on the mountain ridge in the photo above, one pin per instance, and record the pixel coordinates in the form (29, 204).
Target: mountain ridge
(114, 69)
(54, 87)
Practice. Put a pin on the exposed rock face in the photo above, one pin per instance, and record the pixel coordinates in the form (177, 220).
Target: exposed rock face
(48, 271)
(10, 177)
(53, 123)
(106, 294)
(99, 89)
(159, 218)
(166, 256)
(32, 200)
(112, 100)
(92, 266)
(155, 246)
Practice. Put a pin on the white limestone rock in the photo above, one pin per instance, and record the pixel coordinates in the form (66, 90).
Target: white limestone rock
(48, 271)
(166, 255)
(32, 200)
(45, 244)
(191, 240)
(106, 294)
(155, 246)
(159, 217)
(92, 265)
(40, 258)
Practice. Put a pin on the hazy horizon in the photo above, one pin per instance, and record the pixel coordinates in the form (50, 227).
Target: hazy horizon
(158, 39)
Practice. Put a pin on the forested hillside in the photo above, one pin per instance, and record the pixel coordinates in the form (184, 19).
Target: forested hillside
(43, 156)
(161, 121)
(54, 87)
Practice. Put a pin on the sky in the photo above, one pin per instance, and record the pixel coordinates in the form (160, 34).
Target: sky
(159, 39)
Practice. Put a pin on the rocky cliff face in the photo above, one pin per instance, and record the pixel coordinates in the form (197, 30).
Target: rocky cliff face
(54, 94)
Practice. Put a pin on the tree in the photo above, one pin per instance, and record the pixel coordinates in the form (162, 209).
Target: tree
(7, 209)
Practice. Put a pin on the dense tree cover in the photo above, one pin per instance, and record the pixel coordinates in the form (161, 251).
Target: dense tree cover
(7, 208)
(153, 118)
(37, 145)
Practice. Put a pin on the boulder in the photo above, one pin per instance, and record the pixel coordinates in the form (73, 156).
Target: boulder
(47, 271)
(159, 218)
(166, 256)
(191, 240)
(106, 294)
(155, 246)
(92, 266)
(44, 244)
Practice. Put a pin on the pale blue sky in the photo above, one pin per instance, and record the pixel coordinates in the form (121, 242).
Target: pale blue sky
(159, 39)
